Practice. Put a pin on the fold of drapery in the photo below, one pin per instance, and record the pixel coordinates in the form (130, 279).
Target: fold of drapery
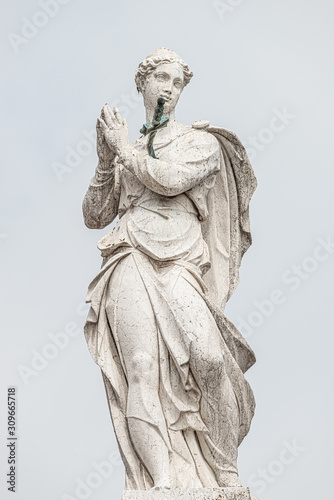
(227, 229)
(185, 428)
(227, 234)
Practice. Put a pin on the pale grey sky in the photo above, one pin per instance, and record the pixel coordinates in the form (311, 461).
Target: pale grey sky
(263, 69)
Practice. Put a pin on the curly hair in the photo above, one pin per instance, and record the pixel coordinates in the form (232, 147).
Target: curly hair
(160, 56)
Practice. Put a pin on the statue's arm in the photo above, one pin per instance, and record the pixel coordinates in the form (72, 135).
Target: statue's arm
(193, 165)
(100, 204)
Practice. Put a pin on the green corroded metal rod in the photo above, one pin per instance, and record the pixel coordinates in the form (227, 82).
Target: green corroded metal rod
(159, 120)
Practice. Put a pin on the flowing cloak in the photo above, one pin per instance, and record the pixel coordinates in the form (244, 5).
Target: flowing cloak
(226, 231)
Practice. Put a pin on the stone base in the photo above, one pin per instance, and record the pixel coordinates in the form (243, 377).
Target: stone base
(190, 494)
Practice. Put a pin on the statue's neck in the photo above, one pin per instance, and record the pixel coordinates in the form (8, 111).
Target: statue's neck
(150, 112)
(169, 129)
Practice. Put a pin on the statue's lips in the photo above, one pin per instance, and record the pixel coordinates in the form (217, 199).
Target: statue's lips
(167, 98)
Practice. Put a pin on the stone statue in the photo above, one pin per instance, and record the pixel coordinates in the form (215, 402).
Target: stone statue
(173, 365)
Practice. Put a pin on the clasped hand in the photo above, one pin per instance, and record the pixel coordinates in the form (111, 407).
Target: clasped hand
(114, 130)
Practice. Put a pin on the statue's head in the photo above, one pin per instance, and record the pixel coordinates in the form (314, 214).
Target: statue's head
(162, 74)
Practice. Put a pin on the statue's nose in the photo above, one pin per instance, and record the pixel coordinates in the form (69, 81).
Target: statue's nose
(168, 88)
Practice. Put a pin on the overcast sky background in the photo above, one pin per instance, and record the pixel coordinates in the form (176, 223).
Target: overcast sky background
(263, 69)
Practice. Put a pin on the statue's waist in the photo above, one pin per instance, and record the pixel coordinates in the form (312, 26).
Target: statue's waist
(165, 206)
(161, 232)
(165, 224)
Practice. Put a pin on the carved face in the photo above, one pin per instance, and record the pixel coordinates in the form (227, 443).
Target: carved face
(165, 81)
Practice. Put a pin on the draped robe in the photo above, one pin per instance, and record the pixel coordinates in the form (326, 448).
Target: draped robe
(211, 179)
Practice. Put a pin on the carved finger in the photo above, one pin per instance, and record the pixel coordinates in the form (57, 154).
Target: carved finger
(106, 117)
(99, 131)
(103, 125)
(117, 115)
(111, 115)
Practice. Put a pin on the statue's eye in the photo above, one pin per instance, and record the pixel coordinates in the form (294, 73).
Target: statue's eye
(161, 77)
(177, 84)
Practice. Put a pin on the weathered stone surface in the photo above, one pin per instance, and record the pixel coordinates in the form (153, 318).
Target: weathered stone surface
(173, 365)
(190, 494)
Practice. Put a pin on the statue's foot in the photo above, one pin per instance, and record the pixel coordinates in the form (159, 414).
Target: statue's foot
(229, 480)
(163, 483)
(161, 487)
